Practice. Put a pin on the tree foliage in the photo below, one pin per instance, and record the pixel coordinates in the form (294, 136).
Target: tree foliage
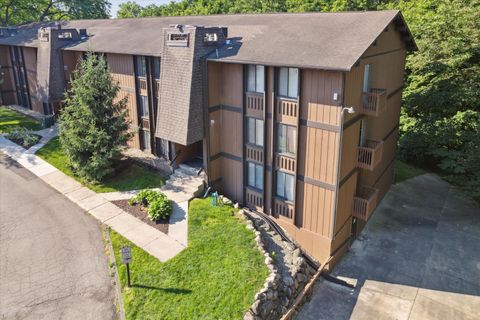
(13, 12)
(93, 126)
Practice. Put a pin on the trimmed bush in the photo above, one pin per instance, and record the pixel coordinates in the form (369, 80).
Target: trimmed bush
(157, 204)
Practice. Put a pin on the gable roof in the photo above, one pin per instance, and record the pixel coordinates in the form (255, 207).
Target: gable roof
(331, 41)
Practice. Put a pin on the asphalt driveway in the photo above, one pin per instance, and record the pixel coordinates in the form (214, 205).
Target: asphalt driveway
(52, 260)
(417, 258)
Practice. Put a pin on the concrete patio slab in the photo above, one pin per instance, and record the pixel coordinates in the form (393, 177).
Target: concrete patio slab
(419, 251)
(105, 211)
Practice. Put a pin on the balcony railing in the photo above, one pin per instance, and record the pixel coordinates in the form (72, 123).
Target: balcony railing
(287, 108)
(284, 209)
(374, 102)
(370, 155)
(254, 101)
(142, 83)
(364, 202)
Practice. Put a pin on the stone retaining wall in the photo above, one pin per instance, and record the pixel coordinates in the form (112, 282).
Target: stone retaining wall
(289, 271)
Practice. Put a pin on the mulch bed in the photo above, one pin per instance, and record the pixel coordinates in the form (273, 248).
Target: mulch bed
(140, 212)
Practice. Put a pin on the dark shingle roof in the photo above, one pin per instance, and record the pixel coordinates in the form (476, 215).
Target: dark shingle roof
(317, 40)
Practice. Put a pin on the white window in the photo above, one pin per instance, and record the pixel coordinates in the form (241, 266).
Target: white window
(143, 106)
(141, 63)
(255, 175)
(256, 78)
(288, 82)
(285, 185)
(287, 139)
(366, 78)
(255, 131)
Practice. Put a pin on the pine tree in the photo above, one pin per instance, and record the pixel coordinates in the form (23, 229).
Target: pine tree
(93, 125)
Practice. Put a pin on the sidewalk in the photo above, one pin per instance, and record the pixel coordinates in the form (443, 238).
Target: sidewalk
(156, 243)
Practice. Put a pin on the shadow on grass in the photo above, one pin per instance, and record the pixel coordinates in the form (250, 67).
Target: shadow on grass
(169, 290)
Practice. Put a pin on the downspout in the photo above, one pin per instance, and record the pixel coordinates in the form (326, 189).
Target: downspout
(206, 121)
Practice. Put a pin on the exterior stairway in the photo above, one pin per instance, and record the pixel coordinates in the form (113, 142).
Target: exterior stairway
(185, 179)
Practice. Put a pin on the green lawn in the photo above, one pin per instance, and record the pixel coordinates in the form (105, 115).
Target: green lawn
(10, 119)
(404, 171)
(216, 277)
(131, 178)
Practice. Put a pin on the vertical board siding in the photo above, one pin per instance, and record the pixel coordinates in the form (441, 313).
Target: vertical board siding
(122, 69)
(8, 94)
(225, 88)
(345, 201)
(349, 149)
(30, 56)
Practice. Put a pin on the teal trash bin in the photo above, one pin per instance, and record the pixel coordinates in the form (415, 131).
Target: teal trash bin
(48, 121)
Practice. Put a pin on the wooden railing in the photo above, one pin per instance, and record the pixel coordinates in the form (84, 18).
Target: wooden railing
(374, 102)
(254, 200)
(287, 107)
(254, 153)
(370, 155)
(284, 209)
(142, 83)
(285, 162)
(254, 101)
(364, 202)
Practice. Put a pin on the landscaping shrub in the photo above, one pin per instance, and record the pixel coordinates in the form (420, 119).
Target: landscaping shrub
(23, 137)
(93, 127)
(158, 205)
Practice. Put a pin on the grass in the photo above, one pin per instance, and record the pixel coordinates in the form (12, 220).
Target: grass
(216, 277)
(133, 177)
(404, 171)
(10, 119)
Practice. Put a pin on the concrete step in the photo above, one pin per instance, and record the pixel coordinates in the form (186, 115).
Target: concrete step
(187, 168)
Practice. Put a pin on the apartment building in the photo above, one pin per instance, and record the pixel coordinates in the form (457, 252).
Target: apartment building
(293, 115)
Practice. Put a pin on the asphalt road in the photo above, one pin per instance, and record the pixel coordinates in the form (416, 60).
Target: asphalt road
(52, 258)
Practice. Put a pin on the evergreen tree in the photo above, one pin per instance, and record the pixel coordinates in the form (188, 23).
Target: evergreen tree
(93, 124)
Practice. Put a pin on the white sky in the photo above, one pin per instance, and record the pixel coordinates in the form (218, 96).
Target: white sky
(116, 3)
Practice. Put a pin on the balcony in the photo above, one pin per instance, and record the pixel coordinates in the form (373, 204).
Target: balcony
(254, 104)
(287, 111)
(374, 102)
(284, 209)
(370, 155)
(364, 202)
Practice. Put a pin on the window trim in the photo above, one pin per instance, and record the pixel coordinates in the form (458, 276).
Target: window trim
(255, 165)
(286, 152)
(255, 132)
(280, 197)
(255, 66)
(288, 84)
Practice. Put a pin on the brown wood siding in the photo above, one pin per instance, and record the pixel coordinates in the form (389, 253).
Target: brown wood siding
(122, 70)
(30, 57)
(387, 60)
(8, 87)
(349, 149)
(225, 88)
(317, 89)
(345, 201)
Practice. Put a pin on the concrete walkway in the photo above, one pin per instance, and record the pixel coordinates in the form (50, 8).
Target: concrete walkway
(156, 243)
(417, 258)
